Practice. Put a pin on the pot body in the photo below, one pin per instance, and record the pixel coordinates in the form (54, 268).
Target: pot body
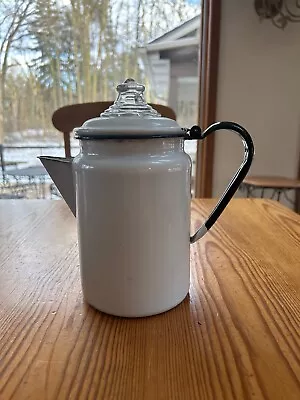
(133, 211)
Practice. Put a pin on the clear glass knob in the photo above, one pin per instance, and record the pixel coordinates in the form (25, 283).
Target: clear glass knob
(130, 102)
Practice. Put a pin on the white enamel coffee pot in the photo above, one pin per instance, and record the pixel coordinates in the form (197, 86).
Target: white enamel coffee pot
(130, 189)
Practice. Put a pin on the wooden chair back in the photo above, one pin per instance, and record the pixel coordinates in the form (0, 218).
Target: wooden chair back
(66, 118)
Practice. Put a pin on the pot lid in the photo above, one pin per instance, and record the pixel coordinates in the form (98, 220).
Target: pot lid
(129, 117)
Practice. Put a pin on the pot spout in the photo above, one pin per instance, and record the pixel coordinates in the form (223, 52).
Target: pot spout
(60, 170)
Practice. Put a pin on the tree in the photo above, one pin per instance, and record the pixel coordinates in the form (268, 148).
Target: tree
(15, 16)
(51, 47)
(68, 51)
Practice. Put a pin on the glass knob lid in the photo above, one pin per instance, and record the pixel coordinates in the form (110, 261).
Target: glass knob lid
(129, 117)
(130, 102)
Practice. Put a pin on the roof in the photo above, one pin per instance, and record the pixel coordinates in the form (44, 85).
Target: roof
(179, 31)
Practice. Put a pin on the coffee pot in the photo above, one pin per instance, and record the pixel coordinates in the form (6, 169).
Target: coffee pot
(130, 189)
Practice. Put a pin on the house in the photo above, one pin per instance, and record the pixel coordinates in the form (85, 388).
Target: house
(171, 65)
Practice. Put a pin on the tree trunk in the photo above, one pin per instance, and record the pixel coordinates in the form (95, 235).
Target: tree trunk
(1, 113)
(76, 32)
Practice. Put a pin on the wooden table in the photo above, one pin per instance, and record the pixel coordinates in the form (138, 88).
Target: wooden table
(236, 336)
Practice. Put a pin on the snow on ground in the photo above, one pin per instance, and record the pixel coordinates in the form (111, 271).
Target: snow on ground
(27, 154)
(21, 152)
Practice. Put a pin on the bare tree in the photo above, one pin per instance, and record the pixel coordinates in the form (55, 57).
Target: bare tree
(13, 29)
(75, 51)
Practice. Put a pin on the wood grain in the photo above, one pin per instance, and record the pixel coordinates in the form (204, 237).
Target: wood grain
(236, 336)
(297, 202)
(208, 85)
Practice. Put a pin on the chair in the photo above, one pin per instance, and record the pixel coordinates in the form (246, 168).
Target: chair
(280, 186)
(66, 118)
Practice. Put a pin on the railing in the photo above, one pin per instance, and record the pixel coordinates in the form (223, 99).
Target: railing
(29, 153)
(15, 159)
(33, 147)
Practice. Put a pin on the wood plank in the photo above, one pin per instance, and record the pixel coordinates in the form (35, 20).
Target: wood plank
(208, 81)
(236, 336)
(297, 203)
